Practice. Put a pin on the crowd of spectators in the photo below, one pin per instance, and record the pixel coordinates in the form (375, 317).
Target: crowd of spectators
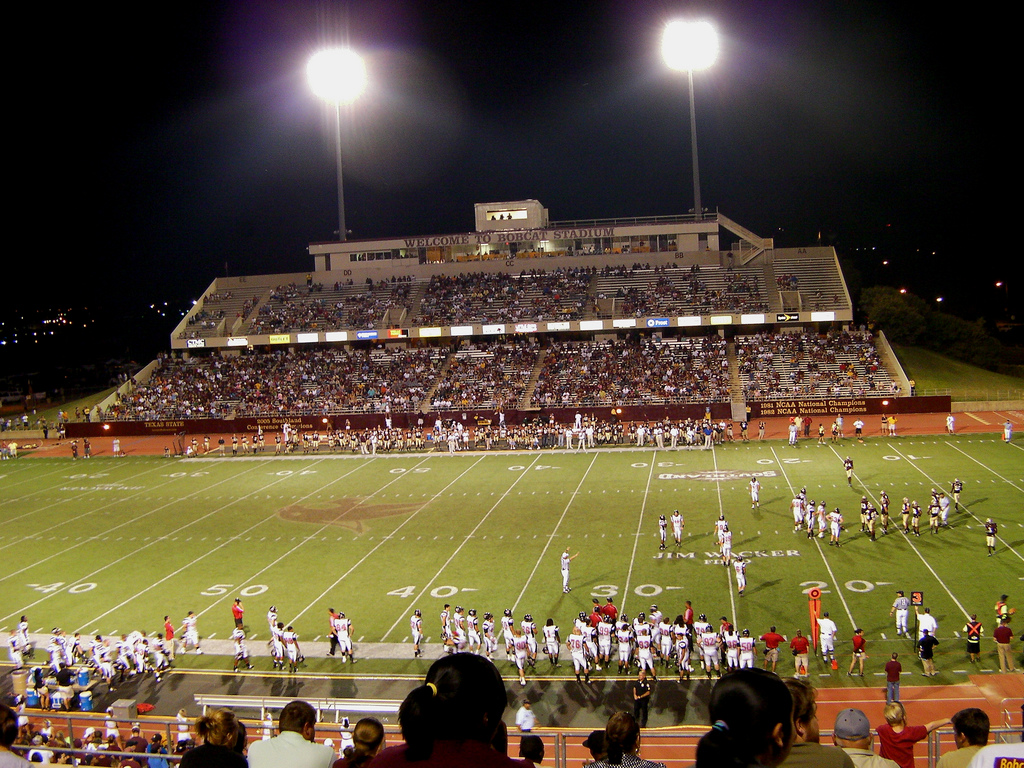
(774, 365)
(666, 290)
(294, 308)
(633, 371)
(308, 380)
(495, 297)
(486, 376)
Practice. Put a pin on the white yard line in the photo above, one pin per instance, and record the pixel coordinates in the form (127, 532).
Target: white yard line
(965, 507)
(230, 540)
(25, 468)
(639, 530)
(458, 549)
(134, 553)
(839, 591)
(551, 537)
(871, 494)
(63, 522)
(134, 521)
(721, 511)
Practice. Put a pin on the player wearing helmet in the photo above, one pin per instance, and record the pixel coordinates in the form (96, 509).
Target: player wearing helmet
(662, 531)
(530, 633)
(677, 527)
(416, 628)
(748, 649)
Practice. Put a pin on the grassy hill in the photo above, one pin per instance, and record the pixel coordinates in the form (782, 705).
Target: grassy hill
(938, 374)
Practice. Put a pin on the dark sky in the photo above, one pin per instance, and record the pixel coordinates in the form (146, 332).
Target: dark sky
(160, 148)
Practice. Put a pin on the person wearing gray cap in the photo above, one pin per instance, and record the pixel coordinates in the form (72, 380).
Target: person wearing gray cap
(852, 734)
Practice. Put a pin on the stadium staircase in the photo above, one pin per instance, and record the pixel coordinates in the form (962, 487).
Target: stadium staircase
(751, 246)
(739, 402)
(428, 398)
(772, 290)
(531, 384)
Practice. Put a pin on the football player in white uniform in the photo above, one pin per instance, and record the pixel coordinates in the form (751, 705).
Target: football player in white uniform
(473, 631)
(507, 622)
(681, 637)
(748, 649)
(344, 629)
(277, 645)
(190, 633)
(740, 566)
(755, 493)
(530, 633)
(726, 546)
(731, 640)
(241, 651)
(490, 640)
(797, 507)
(827, 631)
(521, 648)
(578, 650)
(710, 644)
(677, 527)
(416, 630)
(291, 648)
(552, 642)
(624, 636)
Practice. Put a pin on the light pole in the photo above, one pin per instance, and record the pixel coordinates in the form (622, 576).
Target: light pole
(337, 75)
(688, 46)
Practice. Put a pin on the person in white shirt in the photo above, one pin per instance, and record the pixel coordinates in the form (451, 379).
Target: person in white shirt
(566, 559)
(827, 631)
(525, 719)
(926, 621)
(294, 745)
(755, 493)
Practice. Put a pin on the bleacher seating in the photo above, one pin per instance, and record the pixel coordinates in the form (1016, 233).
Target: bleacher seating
(639, 291)
(632, 372)
(781, 365)
(486, 376)
(499, 297)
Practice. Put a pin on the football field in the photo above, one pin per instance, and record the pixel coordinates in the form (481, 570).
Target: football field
(106, 546)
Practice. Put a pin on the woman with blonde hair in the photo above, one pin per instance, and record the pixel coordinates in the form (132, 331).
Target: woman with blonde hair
(218, 732)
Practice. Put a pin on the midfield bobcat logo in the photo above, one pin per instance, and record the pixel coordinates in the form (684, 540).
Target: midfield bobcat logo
(352, 513)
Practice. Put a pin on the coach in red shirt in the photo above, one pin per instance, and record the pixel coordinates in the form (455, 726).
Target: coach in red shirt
(609, 610)
(772, 640)
(800, 645)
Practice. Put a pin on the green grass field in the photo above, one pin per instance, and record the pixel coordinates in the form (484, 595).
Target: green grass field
(111, 545)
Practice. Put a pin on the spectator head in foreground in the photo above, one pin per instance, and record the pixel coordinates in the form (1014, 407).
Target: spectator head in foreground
(970, 727)
(300, 717)
(852, 730)
(531, 748)
(752, 721)
(218, 726)
(595, 743)
(462, 699)
(367, 741)
(8, 727)
(805, 711)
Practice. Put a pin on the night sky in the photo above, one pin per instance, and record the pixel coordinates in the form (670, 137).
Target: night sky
(163, 150)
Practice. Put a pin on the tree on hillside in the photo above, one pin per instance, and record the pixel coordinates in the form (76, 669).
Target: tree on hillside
(907, 319)
(900, 315)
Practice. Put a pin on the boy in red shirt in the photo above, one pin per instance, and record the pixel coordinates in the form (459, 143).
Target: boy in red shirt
(897, 739)
(859, 647)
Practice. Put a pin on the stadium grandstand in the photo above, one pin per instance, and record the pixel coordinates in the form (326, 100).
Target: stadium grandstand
(689, 316)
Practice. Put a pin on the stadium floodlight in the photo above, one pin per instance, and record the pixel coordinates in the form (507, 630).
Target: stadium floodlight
(338, 76)
(688, 46)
